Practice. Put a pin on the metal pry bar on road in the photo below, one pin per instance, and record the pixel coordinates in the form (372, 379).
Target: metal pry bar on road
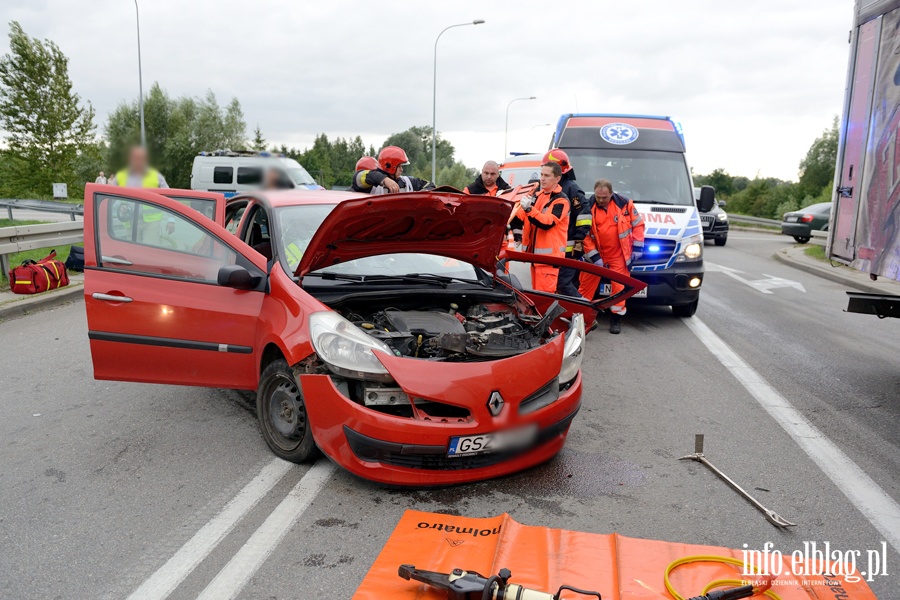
(771, 516)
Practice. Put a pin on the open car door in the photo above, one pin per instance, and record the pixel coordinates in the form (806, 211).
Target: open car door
(518, 265)
(171, 296)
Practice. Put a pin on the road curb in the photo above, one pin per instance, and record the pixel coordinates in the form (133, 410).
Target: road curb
(18, 308)
(830, 273)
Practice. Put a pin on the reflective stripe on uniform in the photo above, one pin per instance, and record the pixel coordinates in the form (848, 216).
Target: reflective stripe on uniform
(590, 255)
(581, 222)
(625, 233)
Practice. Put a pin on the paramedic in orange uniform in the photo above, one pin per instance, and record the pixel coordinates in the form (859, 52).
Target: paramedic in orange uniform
(544, 221)
(489, 182)
(615, 240)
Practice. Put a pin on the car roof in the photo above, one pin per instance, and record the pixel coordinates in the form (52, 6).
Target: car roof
(279, 198)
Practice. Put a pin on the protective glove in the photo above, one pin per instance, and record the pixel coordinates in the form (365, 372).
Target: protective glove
(636, 255)
(526, 203)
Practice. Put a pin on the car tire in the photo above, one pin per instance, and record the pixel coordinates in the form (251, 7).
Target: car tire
(801, 239)
(282, 415)
(686, 310)
(721, 241)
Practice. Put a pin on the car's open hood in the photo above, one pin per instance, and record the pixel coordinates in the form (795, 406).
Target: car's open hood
(467, 228)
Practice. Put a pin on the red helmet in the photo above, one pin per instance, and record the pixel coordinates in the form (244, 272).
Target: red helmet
(366, 163)
(390, 158)
(558, 156)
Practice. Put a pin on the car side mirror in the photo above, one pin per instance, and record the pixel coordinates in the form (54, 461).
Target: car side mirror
(722, 204)
(237, 277)
(707, 198)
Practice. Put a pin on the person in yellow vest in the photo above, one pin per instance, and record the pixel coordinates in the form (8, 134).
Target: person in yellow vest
(139, 174)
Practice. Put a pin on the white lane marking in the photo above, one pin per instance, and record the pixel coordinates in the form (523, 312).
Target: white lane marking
(874, 503)
(235, 575)
(168, 577)
(762, 285)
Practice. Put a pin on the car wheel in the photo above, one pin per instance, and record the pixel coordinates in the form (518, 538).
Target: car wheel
(721, 241)
(686, 310)
(282, 413)
(801, 239)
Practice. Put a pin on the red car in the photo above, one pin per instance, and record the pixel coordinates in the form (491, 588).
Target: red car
(381, 330)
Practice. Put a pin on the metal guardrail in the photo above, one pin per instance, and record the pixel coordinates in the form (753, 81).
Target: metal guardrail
(753, 220)
(819, 238)
(29, 237)
(42, 206)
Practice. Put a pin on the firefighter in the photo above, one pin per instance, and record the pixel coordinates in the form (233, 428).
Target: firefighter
(489, 183)
(579, 222)
(388, 178)
(544, 221)
(139, 174)
(616, 240)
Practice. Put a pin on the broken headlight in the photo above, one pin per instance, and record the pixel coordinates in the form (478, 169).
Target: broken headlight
(573, 351)
(345, 349)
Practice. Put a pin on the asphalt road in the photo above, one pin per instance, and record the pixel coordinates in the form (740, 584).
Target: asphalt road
(103, 484)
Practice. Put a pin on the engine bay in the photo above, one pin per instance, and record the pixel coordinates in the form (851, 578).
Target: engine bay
(479, 331)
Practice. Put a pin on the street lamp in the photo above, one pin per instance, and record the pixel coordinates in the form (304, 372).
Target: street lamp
(137, 15)
(506, 131)
(434, 99)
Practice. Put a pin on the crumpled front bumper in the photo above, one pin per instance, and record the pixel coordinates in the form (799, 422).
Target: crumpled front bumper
(413, 451)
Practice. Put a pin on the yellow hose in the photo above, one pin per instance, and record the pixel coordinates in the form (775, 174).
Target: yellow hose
(715, 584)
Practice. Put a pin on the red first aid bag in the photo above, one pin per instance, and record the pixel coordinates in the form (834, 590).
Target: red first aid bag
(35, 277)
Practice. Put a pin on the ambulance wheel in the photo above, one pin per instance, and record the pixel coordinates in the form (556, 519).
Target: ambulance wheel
(686, 310)
(721, 241)
(282, 414)
(801, 239)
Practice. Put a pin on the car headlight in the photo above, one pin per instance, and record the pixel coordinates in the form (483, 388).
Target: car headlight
(692, 250)
(345, 349)
(573, 352)
(722, 216)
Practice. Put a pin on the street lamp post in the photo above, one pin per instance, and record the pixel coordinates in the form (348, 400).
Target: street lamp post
(506, 131)
(137, 15)
(434, 99)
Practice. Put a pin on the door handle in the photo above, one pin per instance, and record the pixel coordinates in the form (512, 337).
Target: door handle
(110, 297)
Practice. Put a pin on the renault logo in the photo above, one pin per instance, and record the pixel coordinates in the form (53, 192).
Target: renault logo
(495, 403)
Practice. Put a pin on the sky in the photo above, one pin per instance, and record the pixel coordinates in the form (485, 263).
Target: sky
(752, 82)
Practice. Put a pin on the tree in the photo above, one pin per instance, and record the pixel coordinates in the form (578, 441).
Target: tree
(259, 142)
(47, 126)
(817, 168)
(177, 130)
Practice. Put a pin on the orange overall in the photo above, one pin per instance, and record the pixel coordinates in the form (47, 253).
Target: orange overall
(615, 232)
(544, 231)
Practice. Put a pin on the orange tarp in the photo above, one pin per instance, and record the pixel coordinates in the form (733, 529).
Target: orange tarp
(618, 567)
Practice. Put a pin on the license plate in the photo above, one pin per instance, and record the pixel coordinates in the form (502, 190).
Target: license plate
(707, 224)
(792, 219)
(606, 290)
(512, 439)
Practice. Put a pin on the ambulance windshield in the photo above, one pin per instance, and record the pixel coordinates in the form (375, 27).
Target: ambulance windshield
(646, 176)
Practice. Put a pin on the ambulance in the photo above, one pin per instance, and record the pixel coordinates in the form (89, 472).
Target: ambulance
(644, 158)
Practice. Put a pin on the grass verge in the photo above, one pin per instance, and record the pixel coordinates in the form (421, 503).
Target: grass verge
(817, 252)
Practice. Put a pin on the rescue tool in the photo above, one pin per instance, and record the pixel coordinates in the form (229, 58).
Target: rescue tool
(469, 585)
(771, 516)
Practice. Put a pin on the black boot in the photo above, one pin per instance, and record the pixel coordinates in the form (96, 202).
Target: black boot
(615, 323)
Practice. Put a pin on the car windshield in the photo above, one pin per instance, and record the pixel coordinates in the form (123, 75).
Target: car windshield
(298, 224)
(297, 173)
(642, 175)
